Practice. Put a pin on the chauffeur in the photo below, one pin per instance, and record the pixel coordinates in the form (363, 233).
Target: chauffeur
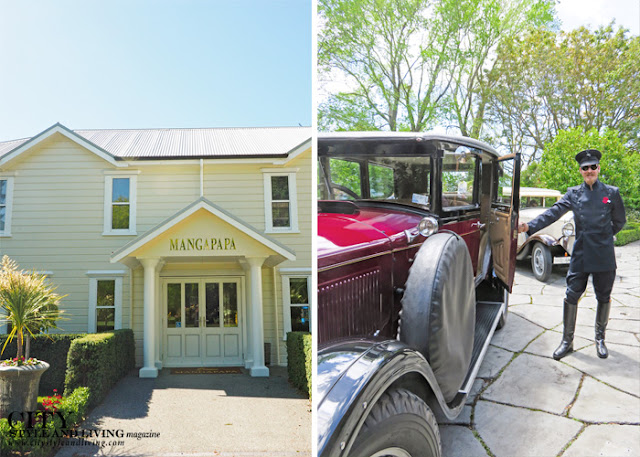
(598, 214)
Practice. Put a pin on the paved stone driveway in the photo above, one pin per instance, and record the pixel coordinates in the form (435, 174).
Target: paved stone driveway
(527, 404)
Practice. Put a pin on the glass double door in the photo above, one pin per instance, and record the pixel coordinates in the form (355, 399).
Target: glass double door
(202, 323)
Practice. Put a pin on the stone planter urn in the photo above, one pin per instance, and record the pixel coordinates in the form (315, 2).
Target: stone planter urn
(19, 387)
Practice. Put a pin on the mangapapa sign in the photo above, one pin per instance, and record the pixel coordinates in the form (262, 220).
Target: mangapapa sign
(202, 244)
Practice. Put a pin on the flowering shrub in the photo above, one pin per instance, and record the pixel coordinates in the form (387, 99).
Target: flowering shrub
(19, 361)
(52, 402)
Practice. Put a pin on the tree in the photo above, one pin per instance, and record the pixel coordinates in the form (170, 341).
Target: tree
(391, 53)
(29, 303)
(619, 165)
(550, 82)
(475, 69)
(412, 64)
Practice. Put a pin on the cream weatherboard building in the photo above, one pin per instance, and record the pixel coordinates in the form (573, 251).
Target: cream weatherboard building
(197, 239)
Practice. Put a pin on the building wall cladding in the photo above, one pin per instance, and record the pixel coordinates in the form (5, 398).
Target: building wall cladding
(58, 220)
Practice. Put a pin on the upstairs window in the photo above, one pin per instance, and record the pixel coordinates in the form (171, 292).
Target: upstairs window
(6, 197)
(120, 205)
(281, 212)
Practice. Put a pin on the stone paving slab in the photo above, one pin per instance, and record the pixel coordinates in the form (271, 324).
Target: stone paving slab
(536, 382)
(606, 440)
(545, 316)
(509, 431)
(546, 343)
(494, 361)
(610, 405)
(460, 441)
(620, 370)
(520, 333)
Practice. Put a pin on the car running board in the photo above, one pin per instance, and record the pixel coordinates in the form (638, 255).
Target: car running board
(487, 318)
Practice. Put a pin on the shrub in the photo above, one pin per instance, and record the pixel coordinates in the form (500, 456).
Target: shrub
(98, 361)
(299, 364)
(73, 408)
(629, 233)
(52, 349)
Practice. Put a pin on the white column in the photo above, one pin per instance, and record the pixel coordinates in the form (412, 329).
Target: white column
(149, 369)
(257, 327)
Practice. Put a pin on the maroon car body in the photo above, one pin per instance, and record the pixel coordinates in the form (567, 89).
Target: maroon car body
(377, 193)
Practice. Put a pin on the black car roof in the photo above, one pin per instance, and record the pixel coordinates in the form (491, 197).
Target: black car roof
(400, 137)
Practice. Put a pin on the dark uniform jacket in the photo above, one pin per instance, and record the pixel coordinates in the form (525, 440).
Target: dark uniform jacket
(598, 214)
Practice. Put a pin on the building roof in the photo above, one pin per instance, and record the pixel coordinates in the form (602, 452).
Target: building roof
(187, 143)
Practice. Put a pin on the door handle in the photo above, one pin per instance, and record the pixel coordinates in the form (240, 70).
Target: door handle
(478, 224)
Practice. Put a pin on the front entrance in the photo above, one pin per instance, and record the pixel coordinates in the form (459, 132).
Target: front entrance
(202, 321)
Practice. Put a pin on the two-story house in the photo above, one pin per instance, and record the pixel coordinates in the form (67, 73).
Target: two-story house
(197, 239)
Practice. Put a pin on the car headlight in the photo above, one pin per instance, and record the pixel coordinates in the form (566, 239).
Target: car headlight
(428, 226)
(568, 230)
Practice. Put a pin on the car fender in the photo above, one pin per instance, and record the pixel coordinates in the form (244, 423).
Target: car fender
(545, 239)
(352, 375)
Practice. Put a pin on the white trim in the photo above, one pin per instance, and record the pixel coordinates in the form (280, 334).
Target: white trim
(295, 152)
(293, 203)
(201, 203)
(106, 273)
(286, 301)
(64, 131)
(295, 271)
(280, 170)
(6, 232)
(93, 301)
(108, 188)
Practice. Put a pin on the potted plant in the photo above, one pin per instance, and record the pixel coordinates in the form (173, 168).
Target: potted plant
(30, 305)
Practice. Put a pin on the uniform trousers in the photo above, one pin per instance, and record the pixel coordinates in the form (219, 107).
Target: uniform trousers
(602, 284)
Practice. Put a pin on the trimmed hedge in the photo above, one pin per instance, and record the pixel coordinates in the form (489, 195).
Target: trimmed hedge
(53, 349)
(299, 365)
(99, 361)
(73, 408)
(629, 233)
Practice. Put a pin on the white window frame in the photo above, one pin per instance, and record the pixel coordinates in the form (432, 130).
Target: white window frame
(286, 300)
(94, 277)
(8, 205)
(108, 204)
(293, 200)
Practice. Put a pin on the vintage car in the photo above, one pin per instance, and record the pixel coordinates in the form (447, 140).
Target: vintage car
(416, 259)
(551, 245)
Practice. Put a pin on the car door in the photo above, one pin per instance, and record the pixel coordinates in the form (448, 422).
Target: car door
(503, 220)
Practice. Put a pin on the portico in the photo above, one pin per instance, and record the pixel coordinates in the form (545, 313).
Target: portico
(202, 291)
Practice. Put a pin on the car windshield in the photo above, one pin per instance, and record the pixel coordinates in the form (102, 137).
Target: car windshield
(400, 179)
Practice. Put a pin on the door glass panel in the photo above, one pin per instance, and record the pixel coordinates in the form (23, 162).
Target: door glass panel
(191, 312)
(212, 290)
(230, 304)
(174, 311)
(458, 178)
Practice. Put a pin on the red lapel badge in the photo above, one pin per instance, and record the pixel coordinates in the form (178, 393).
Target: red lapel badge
(606, 200)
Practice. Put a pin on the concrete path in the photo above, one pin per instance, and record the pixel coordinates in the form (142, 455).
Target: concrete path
(200, 415)
(527, 404)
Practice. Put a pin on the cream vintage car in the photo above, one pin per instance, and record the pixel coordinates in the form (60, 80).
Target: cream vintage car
(552, 244)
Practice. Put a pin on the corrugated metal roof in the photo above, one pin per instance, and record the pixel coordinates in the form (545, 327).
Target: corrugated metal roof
(191, 143)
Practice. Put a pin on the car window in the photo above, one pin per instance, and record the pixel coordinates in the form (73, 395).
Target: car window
(458, 180)
(502, 184)
(398, 179)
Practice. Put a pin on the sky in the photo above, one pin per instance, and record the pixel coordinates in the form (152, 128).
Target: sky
(153, 64)
(593, 13)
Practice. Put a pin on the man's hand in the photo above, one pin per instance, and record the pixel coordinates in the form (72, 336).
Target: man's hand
(523, 227)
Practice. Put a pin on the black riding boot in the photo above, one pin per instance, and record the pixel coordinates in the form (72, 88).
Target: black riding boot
(602, 318)
(566, 346)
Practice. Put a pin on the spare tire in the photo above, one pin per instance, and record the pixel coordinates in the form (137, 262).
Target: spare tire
(439, 309)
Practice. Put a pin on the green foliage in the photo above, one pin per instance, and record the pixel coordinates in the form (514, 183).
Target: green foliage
(530, 176)
(74, 408)
(53, 349)
(299, 361)
(629, 233)
(547, 82)
(619, 166)
(29, 303)
(98, 361)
